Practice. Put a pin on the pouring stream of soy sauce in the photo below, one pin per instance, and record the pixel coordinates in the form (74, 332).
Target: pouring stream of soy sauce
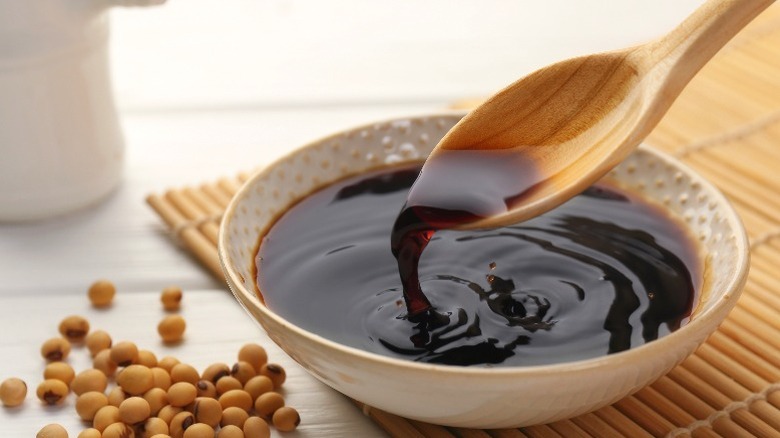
(455, 187)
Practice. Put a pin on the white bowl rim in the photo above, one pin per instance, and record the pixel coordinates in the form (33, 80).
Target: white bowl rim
(725, 302)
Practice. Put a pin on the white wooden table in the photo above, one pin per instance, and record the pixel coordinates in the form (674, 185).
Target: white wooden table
(206, 89)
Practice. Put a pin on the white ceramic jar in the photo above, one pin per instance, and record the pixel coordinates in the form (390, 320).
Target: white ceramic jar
(61, 147)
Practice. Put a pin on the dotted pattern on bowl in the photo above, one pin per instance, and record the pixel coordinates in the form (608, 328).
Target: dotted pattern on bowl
(692, 200)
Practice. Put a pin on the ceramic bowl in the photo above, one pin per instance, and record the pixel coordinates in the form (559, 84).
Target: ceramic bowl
(468, 396)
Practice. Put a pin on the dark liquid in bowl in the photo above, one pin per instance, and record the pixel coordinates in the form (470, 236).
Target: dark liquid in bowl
(600, 274)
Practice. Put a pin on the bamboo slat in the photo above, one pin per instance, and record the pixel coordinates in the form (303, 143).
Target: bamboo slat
(644, 415)
(594, 426)
(622, 424)
(507, 433)
(471, 433)
(726, 124)
(541, 431)
(432, 430)
(568, 429)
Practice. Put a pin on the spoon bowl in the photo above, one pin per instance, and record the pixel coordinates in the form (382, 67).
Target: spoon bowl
(577, 119)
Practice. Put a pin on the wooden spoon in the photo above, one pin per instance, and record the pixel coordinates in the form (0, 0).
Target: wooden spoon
(577, 119)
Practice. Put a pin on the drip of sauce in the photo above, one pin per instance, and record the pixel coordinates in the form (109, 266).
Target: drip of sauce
(602, 273)
(455, 187)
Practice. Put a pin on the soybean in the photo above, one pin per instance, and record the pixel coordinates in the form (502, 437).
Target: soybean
(55, 349)
(258, 385)
(146, 358)
(268, 403)
(167, 363)
(157, 399)
(135, 379)
(171, 329)
(118, 430)
(13, 391)
(275, 372)
(206, 389)
(256, 427)
(116, 396)
(233, 416)
(253, 354)
(52, 431)
(103, 362)
(184, 373)
(154, 426)
(230, 431)
(181, 394)
(89, 380)
(90, 433)
(161, 378)
(124, 353)
(101, 293)
(105, 416)
(98, 341)
(243, 371)
(134, 410)
(52, 391)
(199, 430)
(74, 328)
(180, 423)
(286, 419)
(168, 412)
(236, 397)
(228, 383)
(171, 298)
(216, 371)
(207, 411)
(60, 371)
(89, 403)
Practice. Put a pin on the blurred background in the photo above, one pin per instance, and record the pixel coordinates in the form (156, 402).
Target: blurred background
(281, 53)
(241, 71)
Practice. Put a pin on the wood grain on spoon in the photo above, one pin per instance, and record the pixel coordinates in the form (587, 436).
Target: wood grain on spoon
(577, 119)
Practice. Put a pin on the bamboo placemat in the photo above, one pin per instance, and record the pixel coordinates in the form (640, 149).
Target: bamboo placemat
(727, 126)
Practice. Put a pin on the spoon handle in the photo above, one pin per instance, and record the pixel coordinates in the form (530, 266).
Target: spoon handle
(680, 54)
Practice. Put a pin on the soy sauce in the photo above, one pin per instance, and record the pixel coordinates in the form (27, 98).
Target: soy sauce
(602, 273)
